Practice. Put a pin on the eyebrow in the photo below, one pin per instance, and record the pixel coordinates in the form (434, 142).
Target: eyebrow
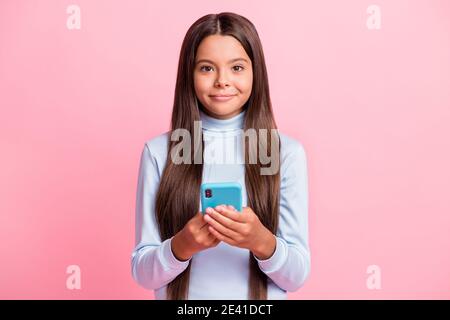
(231, 61)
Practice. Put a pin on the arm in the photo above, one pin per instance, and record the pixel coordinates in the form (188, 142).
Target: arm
(289, 264)
(153, 263)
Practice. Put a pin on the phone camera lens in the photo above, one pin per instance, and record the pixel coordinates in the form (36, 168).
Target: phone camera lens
(208, 193)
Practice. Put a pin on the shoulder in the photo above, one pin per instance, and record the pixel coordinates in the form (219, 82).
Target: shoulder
(292, 153)
(157, 146)
(291, 147)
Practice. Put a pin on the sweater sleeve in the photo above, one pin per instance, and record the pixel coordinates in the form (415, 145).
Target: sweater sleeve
(153, 263)
(289, 265)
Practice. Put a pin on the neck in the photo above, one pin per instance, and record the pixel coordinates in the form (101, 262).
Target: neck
(210, 123)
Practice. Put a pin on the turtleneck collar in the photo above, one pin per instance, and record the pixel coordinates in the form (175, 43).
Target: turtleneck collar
(222, 125)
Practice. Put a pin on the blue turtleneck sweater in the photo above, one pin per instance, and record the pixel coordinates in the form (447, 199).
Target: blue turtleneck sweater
(222, 272)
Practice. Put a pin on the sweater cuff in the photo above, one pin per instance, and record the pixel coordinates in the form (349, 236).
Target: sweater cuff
(277, 259)
(168, 258)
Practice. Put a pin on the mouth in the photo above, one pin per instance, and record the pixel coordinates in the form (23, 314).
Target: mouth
(222, 97)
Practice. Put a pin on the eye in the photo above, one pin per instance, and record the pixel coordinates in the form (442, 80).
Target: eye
(238, 67)
(202, 67)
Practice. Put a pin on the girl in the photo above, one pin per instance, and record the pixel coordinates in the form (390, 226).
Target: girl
(259, 253)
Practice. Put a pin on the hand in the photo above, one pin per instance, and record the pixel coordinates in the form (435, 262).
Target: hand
(241, 229)
(194, 237)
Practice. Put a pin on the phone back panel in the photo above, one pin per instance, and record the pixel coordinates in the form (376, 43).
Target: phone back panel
(228, 193)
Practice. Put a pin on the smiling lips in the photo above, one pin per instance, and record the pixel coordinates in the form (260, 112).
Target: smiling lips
(222, 97)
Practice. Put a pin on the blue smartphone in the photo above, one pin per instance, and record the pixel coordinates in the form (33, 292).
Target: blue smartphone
(227, 193)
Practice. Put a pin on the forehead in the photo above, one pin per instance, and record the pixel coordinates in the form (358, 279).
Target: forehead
(220, 48)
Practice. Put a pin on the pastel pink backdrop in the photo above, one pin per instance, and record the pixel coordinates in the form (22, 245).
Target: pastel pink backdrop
(371, 107)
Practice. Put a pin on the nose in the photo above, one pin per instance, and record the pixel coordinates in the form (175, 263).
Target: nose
(222, 81)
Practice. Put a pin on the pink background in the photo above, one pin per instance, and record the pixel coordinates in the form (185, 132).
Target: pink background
(371, 107)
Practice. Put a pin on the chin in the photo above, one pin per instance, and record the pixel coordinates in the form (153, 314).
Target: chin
(223, 111)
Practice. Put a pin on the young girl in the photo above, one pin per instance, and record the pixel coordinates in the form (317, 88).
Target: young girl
(259, 253)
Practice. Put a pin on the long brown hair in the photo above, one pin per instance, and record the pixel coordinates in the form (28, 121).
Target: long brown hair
(175, 207)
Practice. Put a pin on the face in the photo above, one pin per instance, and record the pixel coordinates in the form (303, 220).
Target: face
(223, 76)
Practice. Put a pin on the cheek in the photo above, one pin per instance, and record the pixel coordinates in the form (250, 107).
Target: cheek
(201, 84)
(245, 85)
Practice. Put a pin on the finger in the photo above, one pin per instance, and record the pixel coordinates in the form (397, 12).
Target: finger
(232, 214)
(212, 237)
(205, 233)
(221, 228)
(204, 224)
(231, 208)
(221, 236)
(214, 241)
(226, 221)
(232, 219)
